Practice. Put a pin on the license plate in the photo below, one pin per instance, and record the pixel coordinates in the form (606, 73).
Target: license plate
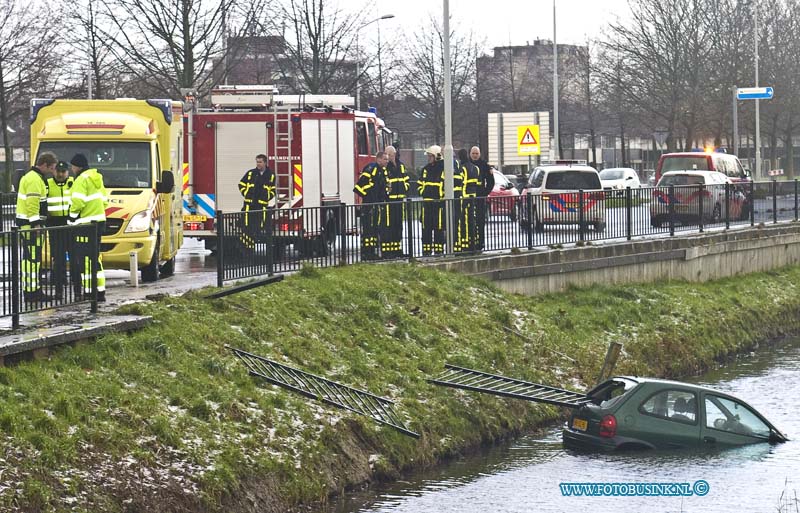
(579, 424)
(195, 218)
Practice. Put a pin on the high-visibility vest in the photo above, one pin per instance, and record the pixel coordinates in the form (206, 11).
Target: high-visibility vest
(89, 198)
(32, 199)
(59, 197)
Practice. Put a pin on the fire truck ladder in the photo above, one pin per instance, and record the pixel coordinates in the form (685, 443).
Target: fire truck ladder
(282, 152)
(476, 381)
(379, 409)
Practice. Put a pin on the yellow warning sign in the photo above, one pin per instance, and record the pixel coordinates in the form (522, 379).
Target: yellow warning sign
(528, 140)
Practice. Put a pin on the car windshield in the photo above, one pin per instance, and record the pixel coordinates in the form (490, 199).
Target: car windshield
(122, 164)
(500, 179)
(666, 181)
(612, 174)
(684, 163)
(572, 180)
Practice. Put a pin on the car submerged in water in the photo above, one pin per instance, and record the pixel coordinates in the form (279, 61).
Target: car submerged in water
(630, 413)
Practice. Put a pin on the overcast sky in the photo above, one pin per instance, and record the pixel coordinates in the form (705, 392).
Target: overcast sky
(503, 22)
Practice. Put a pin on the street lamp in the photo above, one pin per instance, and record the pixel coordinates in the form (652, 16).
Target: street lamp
(358, 54)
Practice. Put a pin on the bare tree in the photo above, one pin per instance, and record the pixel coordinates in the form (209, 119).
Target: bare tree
(26, 59)
(424, 67)
(315, 57)
(88, 53)
(170, 45)
(662, 52)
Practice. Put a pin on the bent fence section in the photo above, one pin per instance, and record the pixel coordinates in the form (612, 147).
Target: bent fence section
(282, 240)
(47, 268)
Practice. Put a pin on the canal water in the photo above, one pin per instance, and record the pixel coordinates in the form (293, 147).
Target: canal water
(525, 475)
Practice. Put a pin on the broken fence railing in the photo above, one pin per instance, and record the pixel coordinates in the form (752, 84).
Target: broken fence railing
(477, 381)
(364, 403)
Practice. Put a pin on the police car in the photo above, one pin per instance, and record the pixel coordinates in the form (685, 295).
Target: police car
(566, 192)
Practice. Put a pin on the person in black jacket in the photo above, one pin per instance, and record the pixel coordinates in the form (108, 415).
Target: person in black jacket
(372, 187)
(469, 180)
(485, 186)
(397, 180)
(431, 188)
(257, 187)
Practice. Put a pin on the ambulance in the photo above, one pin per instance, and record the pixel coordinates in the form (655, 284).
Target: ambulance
(137, 145)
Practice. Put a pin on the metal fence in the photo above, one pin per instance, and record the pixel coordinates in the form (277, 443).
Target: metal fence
(42, 268)
(282, 240)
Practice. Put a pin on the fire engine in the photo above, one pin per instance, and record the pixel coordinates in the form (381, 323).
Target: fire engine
(316, 145)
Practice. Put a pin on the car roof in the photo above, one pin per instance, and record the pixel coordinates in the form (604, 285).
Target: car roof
(690, 172)
(567, 167)
(669, 382)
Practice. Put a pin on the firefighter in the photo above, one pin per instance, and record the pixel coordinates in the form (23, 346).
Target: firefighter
(372, 187)
(31, 214)
(466, 235)
(431, 188)
(257, 187)
(58, 202)
(486, 184)
(398, 191)
(89, 200)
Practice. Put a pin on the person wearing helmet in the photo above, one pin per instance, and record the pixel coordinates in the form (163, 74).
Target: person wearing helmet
(372, 187)
(397, 179)
(58, 202)
(431, 189)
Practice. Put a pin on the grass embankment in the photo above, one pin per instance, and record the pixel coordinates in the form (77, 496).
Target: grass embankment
(166, 419)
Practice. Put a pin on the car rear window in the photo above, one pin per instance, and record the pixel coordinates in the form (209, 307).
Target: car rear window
(684, 163)
(612, 174)
(573, 180)
(609, 393)
(666, 181)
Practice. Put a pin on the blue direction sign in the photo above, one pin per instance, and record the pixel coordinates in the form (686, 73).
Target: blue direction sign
(754, 93)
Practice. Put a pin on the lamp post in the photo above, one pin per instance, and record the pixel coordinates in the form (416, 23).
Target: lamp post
(358, 54)
(555, 90)
(448, 128)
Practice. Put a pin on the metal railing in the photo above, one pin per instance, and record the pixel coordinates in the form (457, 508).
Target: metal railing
(282, 240)
(42, 269)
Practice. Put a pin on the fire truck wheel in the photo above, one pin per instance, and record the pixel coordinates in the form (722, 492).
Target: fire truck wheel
(150, 271)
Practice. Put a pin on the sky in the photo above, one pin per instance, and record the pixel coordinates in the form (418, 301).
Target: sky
(502, 22)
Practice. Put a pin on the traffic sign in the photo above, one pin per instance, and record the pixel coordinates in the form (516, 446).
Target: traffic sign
(528, 140)
(754, 93)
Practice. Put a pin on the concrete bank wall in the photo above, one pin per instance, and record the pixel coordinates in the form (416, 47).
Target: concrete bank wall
(698, 257)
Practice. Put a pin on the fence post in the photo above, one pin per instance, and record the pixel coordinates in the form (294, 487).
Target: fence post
(581, 218)
(220, 249)
(408, 209)
(94, 251)
(271, 244)
(529, 208)
(671, 210)
(15, 274)
(628, 212)
(752, 204)
(727, 206)
(774, 201)
(795, 199)
(701, 196)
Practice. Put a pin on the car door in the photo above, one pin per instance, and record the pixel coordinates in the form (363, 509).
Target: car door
(727, 422)
(665, 418)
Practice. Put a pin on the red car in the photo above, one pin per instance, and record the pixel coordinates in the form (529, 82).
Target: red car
(503, 198)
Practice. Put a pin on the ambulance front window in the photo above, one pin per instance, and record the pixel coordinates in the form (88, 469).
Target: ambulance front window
(361, 138)
(122, 164)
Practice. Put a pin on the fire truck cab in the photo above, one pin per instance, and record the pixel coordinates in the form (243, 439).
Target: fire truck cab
(316, 145)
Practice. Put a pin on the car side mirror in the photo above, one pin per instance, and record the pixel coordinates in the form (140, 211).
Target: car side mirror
(167, 183)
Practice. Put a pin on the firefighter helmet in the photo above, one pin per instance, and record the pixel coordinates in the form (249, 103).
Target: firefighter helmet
(434, 150)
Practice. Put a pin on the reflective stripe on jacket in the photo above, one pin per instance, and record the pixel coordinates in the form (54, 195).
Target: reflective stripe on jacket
(32, 199)
(89, 198)
(59, 197)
